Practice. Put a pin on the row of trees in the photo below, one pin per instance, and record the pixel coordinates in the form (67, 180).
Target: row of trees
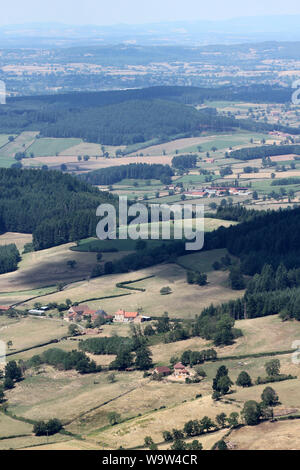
(198, 357)
(285, 181)
(251, 153)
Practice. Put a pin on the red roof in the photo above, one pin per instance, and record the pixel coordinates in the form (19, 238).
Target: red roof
(89, 312)
(179, 366)
(4, 307)
(127, 314)
(80, 308)
(162, 369)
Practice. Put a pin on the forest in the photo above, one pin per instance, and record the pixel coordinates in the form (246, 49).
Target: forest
(56, 208)
(9, 258)
(125, 117)
(114, 174)
(183, 162)
(271, 237)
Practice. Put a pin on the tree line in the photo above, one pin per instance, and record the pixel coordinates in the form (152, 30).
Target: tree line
(251, 153)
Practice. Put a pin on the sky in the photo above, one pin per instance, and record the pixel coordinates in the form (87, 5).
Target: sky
(107, 12)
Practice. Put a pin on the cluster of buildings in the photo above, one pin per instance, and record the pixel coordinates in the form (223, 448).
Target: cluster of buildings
(83, 312)
(179, 372)
(218, 191)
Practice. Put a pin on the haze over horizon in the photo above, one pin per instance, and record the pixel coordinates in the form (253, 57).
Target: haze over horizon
(135, 12)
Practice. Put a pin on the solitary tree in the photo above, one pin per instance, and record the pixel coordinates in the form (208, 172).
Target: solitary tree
(244, 379)
(251, 412)
(269, 397)
(273, 367)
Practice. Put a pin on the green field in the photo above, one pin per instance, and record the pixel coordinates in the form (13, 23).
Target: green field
(223, 142)
(201, 261)
(21, 143)
(192, 179)
(95, 245)
(50, 146)
(4, 139)
(265, 186)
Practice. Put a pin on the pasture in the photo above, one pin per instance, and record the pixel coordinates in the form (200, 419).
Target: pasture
(4, 139)
(11, 427)
(20, 144)
(48, 267)
(133, 432)
(44, 147)
(185, 301)
(20, 239)
(202, 261)
(31, 331)
(280, 435)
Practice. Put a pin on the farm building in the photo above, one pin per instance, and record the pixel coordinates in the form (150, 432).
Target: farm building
(125, 317)
(4, 308)
(79, 312)
(36, 311)
(196, 193)
(162, 370)
(180, 370)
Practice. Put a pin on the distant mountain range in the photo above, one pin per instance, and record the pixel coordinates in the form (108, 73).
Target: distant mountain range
(200, 32)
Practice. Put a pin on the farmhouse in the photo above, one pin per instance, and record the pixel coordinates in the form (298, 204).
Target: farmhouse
(238, 191)
(197, 193)
(4, 308)
(125, 317)
(162, 370)
(79, 312)
(180, 370)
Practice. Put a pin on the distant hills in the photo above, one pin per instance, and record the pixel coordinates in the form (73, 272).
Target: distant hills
(233, 31)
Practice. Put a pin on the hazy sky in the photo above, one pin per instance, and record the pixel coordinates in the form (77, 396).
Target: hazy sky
(105, 12)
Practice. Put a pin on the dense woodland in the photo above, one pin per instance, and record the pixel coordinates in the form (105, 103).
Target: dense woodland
(257, 93)
(114, 174)
(125, 117)
(56, 208)
(270, 237)
(9, 258)
(183, 162)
